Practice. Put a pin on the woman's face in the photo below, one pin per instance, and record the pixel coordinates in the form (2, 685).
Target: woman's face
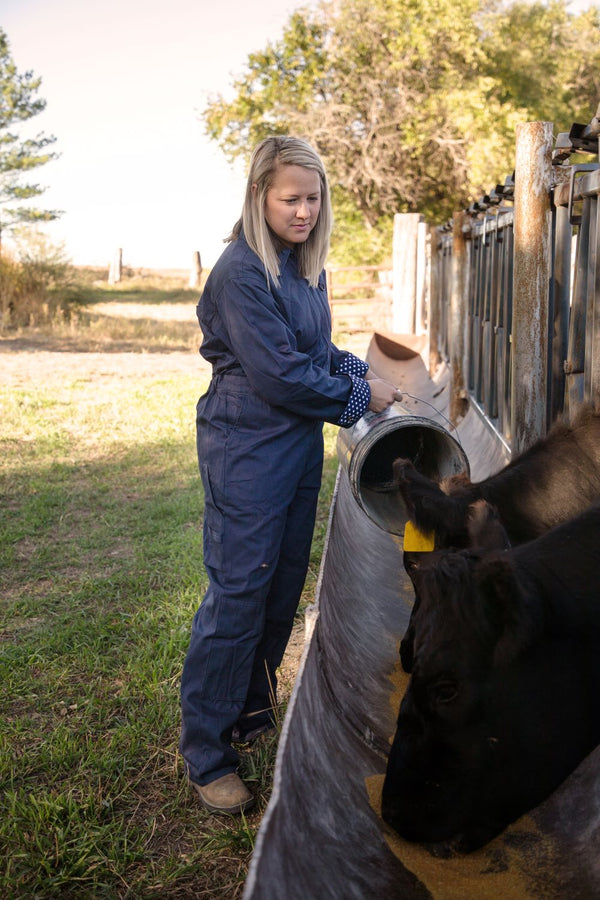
(293, 203)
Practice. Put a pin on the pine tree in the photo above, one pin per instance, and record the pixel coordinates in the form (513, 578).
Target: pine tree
(19, 155)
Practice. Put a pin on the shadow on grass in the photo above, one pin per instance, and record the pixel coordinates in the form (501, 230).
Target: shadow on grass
(102, 573)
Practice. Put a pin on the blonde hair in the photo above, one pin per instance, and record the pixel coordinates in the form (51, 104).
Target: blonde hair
(266, 159)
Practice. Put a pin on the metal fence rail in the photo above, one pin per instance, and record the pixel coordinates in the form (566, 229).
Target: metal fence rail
(515, 288)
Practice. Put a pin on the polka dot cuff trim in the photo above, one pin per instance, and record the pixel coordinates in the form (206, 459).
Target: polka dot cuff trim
(357, 402)
(352, 365)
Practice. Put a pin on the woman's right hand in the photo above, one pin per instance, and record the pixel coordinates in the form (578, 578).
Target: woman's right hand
(383, 394)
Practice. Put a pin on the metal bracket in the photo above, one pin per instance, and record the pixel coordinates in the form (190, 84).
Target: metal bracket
(584, 138)
(584, 167)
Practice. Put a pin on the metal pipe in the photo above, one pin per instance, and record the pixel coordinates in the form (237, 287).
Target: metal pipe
(592, 328)
(561, 290)
(368, 449)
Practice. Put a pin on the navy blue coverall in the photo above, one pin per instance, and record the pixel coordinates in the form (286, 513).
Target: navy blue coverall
(276, 378)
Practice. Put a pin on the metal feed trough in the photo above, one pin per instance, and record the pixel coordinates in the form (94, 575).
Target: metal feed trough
(322, 836)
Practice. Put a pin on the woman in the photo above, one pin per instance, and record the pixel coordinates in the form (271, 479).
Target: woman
(276, 378)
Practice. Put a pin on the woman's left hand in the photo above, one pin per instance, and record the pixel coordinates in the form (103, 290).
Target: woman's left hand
(383, 394)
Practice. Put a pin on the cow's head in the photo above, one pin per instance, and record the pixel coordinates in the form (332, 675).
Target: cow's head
(453, 745)
(485, 532)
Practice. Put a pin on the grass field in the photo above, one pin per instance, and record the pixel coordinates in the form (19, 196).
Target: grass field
(100, 575)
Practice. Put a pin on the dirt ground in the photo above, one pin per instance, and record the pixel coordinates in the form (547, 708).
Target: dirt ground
(23, 361)
(47, 357)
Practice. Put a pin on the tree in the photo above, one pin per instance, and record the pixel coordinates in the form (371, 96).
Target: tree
(413, 104)
(18, 103)
(546, 60)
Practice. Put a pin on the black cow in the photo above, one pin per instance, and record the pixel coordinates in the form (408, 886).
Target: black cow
(554, 480)
(503, 700)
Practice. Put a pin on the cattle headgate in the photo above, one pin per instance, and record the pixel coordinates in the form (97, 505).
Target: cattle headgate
(514, 287)
(494, 335)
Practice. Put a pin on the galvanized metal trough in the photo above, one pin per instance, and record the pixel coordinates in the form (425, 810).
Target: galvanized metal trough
(322, 836)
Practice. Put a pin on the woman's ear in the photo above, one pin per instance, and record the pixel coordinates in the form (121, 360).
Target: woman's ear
(254, 188)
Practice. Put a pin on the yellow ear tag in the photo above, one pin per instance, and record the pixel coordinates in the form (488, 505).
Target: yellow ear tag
(418, 541)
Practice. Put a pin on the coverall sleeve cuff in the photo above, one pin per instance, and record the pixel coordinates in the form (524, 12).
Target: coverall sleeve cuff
(358, 401)
(352, 365)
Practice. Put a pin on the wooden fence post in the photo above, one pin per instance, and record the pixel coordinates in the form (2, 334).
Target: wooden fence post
(196, 270)
(115, 272)
(404, 254)
(423, 268)
(531, 280)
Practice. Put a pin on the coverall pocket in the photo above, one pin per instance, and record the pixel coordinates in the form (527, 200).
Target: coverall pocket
(234, 404)
(232, 396)
(213, 524)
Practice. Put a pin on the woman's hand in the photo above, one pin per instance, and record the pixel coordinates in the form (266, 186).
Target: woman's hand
(383, 394)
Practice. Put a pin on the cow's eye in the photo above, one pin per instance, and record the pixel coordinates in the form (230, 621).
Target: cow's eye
(444, 691)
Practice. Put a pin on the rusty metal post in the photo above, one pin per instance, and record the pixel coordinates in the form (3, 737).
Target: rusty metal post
(531, 279)
(435, 287)
(459, 299)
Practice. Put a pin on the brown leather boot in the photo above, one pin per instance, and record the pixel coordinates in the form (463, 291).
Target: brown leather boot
(227, 794)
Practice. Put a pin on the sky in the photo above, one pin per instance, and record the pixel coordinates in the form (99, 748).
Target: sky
(125, 83)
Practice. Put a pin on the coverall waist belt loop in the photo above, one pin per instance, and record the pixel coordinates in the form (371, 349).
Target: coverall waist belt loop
(237, 375)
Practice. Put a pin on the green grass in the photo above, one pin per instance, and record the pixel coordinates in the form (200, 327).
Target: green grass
(100, 574)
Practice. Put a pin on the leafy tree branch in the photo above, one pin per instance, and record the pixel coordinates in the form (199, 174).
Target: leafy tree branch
(413, 104)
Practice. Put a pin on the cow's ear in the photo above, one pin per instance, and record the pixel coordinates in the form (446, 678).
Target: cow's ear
(486, 531)
(504, 609)
(454, 483)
